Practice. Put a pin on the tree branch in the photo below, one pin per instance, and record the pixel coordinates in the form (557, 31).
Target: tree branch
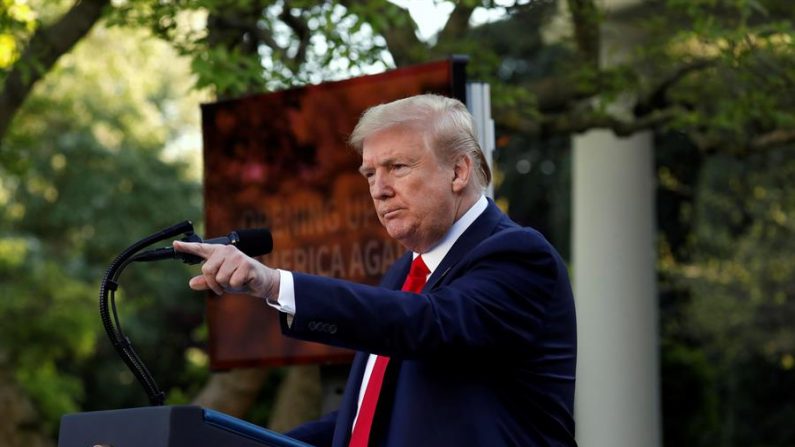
(457, 24)
(658, 97)
(46, 46)
(236, 30)
(560, 96)
(577, 121)
(585, 17)
(266, 37)
(556, 94)
(395, 25)
(238, 27)
(301, 31)
(778, 137)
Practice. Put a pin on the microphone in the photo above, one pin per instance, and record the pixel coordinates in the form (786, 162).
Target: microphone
(252, 242)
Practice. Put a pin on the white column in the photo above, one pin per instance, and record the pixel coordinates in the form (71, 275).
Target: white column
(479, 104)
(617, 400)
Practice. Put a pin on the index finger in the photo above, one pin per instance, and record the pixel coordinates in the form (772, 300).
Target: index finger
(195, 248)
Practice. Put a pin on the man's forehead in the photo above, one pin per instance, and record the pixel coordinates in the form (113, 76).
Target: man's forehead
(377, 154)
(392, 143)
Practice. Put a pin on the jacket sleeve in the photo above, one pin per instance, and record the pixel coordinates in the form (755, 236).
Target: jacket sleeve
(498, 298)
(318, 433)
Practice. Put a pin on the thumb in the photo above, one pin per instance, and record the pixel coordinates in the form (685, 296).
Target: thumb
(198, 283)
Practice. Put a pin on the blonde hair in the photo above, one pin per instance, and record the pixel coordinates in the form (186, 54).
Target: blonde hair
(447, 125)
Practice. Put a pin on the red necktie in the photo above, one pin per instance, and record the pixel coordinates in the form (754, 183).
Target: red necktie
(415, 281)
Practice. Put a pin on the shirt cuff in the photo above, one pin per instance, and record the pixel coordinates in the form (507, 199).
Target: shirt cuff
(285, 302)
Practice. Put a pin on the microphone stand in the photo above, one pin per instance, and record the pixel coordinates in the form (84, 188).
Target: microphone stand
(110, 283)
(157, 425)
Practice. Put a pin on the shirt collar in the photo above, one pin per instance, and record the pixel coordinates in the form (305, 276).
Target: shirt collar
(434, 256)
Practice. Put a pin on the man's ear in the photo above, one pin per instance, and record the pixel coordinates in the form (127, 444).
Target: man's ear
(462, 172)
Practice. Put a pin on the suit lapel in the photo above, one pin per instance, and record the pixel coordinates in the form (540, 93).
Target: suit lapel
(396, 275)
(350, 401)
(480, 229)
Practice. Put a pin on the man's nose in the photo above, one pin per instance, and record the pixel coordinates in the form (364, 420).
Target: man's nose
(381, 187)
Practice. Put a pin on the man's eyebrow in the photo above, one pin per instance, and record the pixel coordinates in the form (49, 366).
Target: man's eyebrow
(385, 162)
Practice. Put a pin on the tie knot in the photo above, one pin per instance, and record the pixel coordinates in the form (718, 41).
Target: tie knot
(418, 268)
(417, 276)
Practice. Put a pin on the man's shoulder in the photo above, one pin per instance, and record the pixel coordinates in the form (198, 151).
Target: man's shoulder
(503, 226)
(511, 236)
(495, 235)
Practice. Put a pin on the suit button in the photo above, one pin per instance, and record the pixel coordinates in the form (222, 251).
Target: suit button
(322, 326)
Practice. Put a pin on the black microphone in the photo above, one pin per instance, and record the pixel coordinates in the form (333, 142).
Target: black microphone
(252, 242)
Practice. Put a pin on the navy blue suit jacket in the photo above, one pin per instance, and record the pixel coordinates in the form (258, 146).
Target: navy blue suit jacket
(484, 356)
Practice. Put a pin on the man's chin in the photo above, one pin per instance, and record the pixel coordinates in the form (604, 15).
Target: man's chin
(399, 236)
(396, 232)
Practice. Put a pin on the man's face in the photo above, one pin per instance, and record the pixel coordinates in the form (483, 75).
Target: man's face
(412, 190)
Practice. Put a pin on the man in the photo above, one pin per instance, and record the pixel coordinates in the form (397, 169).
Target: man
(470, 338)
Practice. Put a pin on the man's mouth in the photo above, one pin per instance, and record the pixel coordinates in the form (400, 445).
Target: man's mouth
(390, 213)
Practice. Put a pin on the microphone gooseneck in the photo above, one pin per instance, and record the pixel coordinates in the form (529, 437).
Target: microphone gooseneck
(252, 242)
(107, 289)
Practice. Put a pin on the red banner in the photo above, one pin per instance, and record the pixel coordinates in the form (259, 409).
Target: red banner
(280, 160)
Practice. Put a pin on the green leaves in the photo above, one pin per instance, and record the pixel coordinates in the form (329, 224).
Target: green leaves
(243, 47)
(83, 174)
(48, 323)
(741, 276)
(17, 22)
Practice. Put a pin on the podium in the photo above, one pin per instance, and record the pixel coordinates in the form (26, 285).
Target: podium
(166, 426)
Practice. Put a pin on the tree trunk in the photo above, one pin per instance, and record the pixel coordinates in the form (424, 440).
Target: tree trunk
(232, 392)
(19, 421)
(298, 399)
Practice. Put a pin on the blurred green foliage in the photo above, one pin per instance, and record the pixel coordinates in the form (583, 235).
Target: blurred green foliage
(17, 22)
(741, 285)
(85, 173)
